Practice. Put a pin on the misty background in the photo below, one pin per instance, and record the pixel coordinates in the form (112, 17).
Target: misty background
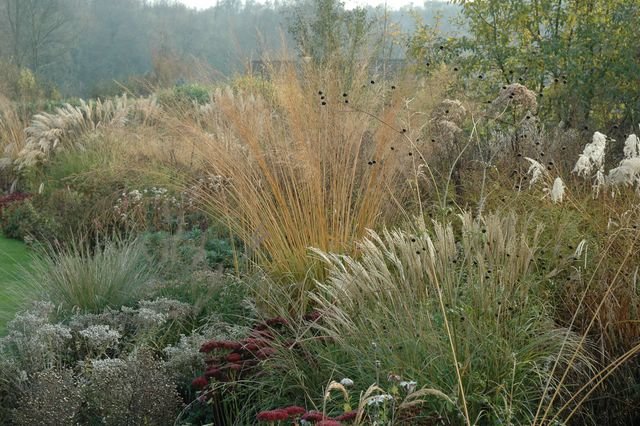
(90, 48)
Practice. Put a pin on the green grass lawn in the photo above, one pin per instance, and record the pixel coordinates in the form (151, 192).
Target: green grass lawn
(14, 255)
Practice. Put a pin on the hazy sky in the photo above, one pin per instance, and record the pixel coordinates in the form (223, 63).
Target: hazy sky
(393, 4)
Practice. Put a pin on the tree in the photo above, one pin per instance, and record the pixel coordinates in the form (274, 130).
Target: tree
(579, 55)
(323, 29)
(38, 31)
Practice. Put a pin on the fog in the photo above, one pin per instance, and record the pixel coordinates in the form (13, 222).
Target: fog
(94, 48)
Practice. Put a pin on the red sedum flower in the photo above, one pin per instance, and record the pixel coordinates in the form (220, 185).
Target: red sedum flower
(272, 415)
(295, 410)
(234, 357)
(328, 422)
(313, 416)
(348, 416)
(200, 382)
(214, 372)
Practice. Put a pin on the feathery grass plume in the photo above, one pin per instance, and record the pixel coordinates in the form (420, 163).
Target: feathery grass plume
(604, 307)
(592, 161)
(307, 169)
(632, 147)
(50, 131)
(557, 191)
(592, 158)
(628, 171)
(443, 297)
(536, 170)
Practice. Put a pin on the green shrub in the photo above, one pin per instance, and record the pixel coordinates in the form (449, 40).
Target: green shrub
(211, 294)
(185, 252)
(23, 221)
(185, 95)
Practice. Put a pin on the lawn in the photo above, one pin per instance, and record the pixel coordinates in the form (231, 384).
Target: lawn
(13, 256)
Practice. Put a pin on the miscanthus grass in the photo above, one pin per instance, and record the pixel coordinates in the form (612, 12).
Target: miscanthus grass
(628, 171)
(590, 164)
(429, 299)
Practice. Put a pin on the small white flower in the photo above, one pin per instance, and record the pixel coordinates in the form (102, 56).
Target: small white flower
(102, 333)
(135, 195)
(379, 399)
(151, 318)
(409, 387)
(346, 382)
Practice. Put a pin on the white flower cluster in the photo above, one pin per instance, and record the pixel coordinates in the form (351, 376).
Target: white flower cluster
(172, 309)
(184, 358)
(134, 195)
(99, 338)
(150, 318)
(158, 192)
(134, 198)
(346, 382)
(34, 340)
(408, 386)
(108, 364)
(379, 399)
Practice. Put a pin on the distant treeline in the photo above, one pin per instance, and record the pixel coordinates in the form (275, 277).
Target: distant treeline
(83, 47)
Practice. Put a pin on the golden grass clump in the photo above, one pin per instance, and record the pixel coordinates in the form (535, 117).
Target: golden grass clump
(315, 164)
(11, 135)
